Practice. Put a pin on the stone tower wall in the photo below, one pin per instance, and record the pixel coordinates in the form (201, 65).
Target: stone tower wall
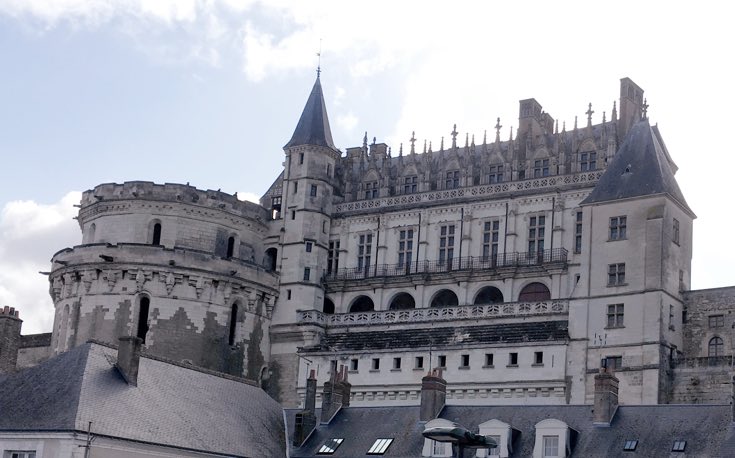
(9, 339)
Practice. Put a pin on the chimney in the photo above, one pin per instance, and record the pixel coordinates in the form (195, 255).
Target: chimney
(606, 397)
(9, 339)
(631, 104)
(332, 395)
(732, 401)
(345, 387)
(433, 395)
(306, 419)
(128, 358)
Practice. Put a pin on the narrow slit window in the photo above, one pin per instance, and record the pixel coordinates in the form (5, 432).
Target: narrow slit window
(230, 247)
(145, 304)
(233, 325)
(156, 240)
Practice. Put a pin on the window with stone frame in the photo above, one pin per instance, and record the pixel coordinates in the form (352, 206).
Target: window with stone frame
(490, 241)
(613, 362)
(541, 168)
(716, 321)
(618, 228)
(446, 244)
(410, 184)
(716, 347)
(616, 274)
(536, 234)
(550, 447)
(587, 161)
(364, 251)
(371, 189)
(333, 256)
(313, 190)
(675, 232)
(496, 174)
(615, 315)
(405, 248)
(452, 180)
(19, 454)
(578, 232)
(307, 273)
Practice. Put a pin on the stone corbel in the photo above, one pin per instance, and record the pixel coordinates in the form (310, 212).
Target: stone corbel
(88, 276)
(111, 276)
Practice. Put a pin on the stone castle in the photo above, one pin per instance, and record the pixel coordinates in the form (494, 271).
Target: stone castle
(518, 267)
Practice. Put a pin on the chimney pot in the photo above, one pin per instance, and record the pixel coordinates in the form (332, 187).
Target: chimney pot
(433, 395)
(606, 398)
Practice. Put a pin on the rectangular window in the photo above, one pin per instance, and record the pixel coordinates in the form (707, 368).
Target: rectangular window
(494, 451)
(488, 359)
(307, 273)
(551, 446)
(541, 168)
(613, 362)
(419, 362)
(376, 364)
(452, 180)
(379, 446)
(19, 454)
(439, 448)
(490, 240)
(354, 364)
(301, 158)
(333, 256)
(587, 161)
(538, 358)
(630, 445)
(521, 174)
(675, 233)
(288, 294)
(616, 274)
(330, 446)
(615, 314)
(293, 214)
(513, 359)
(496, 174)
(364, 251)
(397, 363)
(371, 189)
(405, 248)
(465, 361)
(618, 226)
(410, 185)
(672, 325)
(679, 446)
(295, 187)
(312, 193)
(578, 233)
(309, 246)
(536, 234)
(717, 321)
(442, 361)
(446, 244)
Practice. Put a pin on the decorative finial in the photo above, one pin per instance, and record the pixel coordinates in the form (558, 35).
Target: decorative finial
(497, 130)
(467, 140)
(563, 126)
(364, 140)
(400, 150)
(603, 117)
(575, 123)
(589, 115)
(429, 145)
(556, 128)
(374, 140)
(473, 140)
(511, 133)
(615, 111)
(413, 140)
(484, 137)
(319, 60)
(645, 108)
(424, 146)
(441, 145)
(454, 138)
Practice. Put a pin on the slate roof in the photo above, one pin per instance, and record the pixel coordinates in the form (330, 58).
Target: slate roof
(707, 429)
(455, 335)
(641, 167)
(172, 405)
(313, 127)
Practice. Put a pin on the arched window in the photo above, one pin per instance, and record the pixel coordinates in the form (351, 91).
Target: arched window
(233, 324)
(444, 298)
(716, 347)
(362, 304)
(271, 254)
(328, 306)
(145, 304)
(91, 233)
(533, 292)
(489, 295)
(156, 239)
(230, 246)
(402, 301)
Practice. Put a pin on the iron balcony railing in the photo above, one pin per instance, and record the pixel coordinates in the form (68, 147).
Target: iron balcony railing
(466, 263)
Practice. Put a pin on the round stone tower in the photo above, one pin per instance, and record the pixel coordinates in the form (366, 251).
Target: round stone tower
(182, 268)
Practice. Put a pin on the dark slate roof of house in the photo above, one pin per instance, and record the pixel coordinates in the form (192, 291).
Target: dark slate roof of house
(456, 335)
(641, 167)
(173, 405)
(707, 429)
(313, 127)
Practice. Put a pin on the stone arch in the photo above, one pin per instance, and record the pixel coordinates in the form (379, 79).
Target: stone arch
(232, 244)
(362, 304)
(716, 347)
(488, 295)
(271, 255)
(444, 298)
(535, 291)
(328, 306)
(142, 327)
(402, 301)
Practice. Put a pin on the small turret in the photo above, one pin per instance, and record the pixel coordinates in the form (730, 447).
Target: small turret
(9, 339)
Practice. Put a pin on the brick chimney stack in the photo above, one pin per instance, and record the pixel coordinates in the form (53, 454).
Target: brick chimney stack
(606, 397)
(306, 419)
(332, 394)
(128, 358)
(433, 395)
(9, 339)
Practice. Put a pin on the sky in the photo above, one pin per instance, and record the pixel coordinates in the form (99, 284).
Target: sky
(208, 92)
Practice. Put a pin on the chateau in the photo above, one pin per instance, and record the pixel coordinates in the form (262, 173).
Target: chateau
(516, 268)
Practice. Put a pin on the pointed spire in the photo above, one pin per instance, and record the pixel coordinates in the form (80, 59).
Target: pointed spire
(441, 147)
(575, 123)
(473, 140)
(497, 130)
(364, 141)
(563, 126)
(413, 141)
(430, 144)
(424, 146)
(556, 128)
(645, 108)
(589, 113)
(454, 138)
(467, 140)
(511, 133)
(603, 117)
(614, 116)
(400, 150)
(484, 137)
(313, 126)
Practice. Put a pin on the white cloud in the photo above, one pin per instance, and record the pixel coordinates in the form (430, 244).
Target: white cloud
(249, 196)
(29, 234)
(347, 122)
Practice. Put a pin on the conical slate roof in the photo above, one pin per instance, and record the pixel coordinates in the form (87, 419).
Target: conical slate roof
(313, 127)
(641, 167)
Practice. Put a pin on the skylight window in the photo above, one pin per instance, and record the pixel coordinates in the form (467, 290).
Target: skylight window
(380, 446)
(330, 446)
(679, 446)
(630, 445)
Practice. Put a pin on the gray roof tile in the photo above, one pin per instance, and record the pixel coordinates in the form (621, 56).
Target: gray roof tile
(313, 127)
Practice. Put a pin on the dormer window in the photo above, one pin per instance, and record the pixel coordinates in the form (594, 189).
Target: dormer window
(371, 189)
(452, 180)
(496, 174)
(553, 439)
(410, 185)
(587, 161)
(502, 434)
(551, 446)
(541, 168)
